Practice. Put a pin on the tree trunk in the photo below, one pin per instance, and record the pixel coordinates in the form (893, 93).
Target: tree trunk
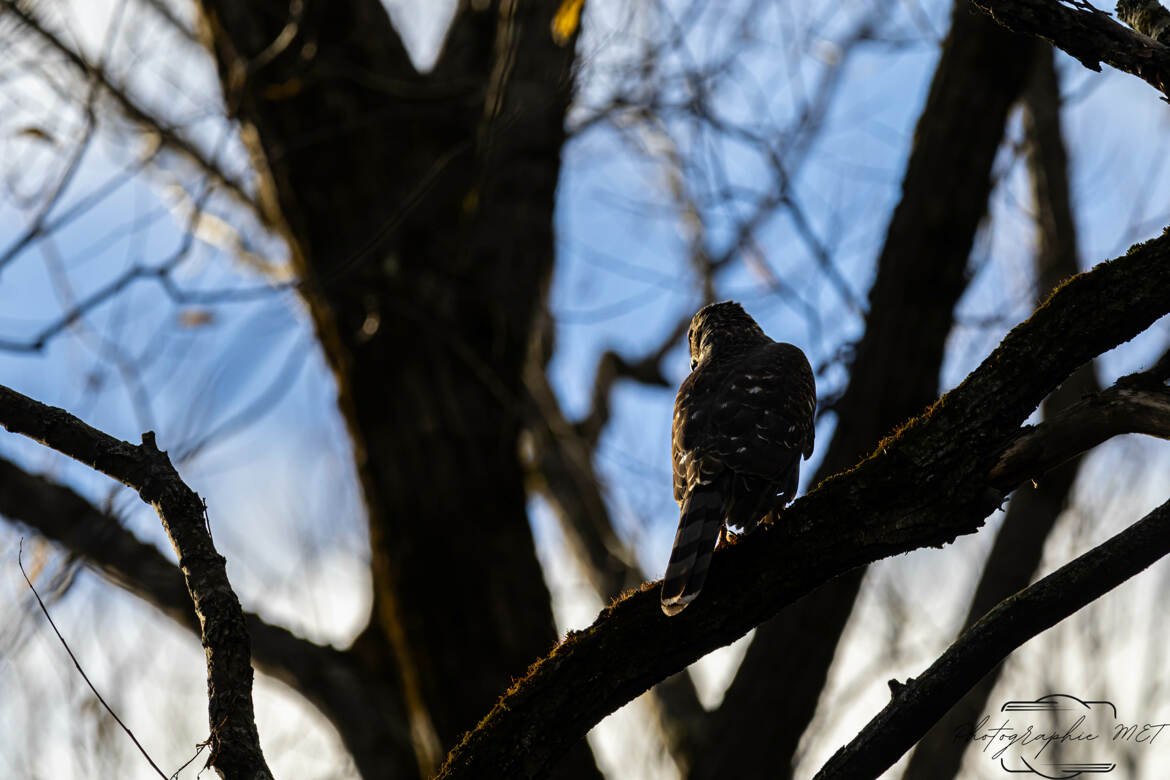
(419, 212)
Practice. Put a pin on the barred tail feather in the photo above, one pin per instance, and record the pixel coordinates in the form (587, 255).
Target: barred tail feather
(694, 542)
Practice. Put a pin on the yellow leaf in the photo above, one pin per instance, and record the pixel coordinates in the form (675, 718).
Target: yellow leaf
(37, 134)
(566, 21)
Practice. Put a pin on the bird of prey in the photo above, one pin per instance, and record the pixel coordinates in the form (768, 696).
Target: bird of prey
(742, 421)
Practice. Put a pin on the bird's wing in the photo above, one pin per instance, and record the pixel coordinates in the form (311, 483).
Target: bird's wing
(762, 415)
(693, 464)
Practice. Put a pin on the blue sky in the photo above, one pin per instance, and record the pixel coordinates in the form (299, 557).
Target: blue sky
(622, 280)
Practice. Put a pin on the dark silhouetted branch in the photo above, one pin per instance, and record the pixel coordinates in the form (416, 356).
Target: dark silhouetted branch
(612, 367)
(918, 704)
(373, 726)
(1035, 506)
(921, 487)
(235, 744)
(562, 470)
(1136, 404)
(1090, 36)
(454, 174)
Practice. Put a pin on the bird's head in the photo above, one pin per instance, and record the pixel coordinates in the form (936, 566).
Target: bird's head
(720, 329)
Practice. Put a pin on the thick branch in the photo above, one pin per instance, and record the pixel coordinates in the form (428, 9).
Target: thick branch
(562, 470)
(374, 728)
(923, 487)
(1089, 36)
(1133, 405)
(419, 210)
(235, 745)
(1035, 507)
(918, 704)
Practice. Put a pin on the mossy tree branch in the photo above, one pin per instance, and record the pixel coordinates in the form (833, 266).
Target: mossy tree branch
(1087, 34)
(235, 743)
(1149, 17)
(923, 486)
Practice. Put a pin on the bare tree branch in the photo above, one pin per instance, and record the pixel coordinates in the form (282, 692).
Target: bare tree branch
(1149, 17)
(1088, 35)
(923, 700)
(562, 470)
(1136, 404)
(157, 273)
(922, 487)
(1036, 506)
(611, 367)
(167, 136)
(374, 727)
(37, 226)
(235, 744)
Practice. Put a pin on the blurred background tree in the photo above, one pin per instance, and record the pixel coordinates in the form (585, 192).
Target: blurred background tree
(403, 288)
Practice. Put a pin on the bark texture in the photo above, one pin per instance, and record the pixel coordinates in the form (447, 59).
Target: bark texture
(234, 741)
(921, 487)
(361, 706)
(419, 209)
(1087, 34)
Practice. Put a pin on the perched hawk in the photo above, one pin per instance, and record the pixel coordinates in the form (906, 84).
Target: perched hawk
(742, 421)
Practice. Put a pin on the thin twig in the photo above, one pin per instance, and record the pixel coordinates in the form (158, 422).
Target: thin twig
(76, 663)
(236, 751)
(198, 751)
(168, 136)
